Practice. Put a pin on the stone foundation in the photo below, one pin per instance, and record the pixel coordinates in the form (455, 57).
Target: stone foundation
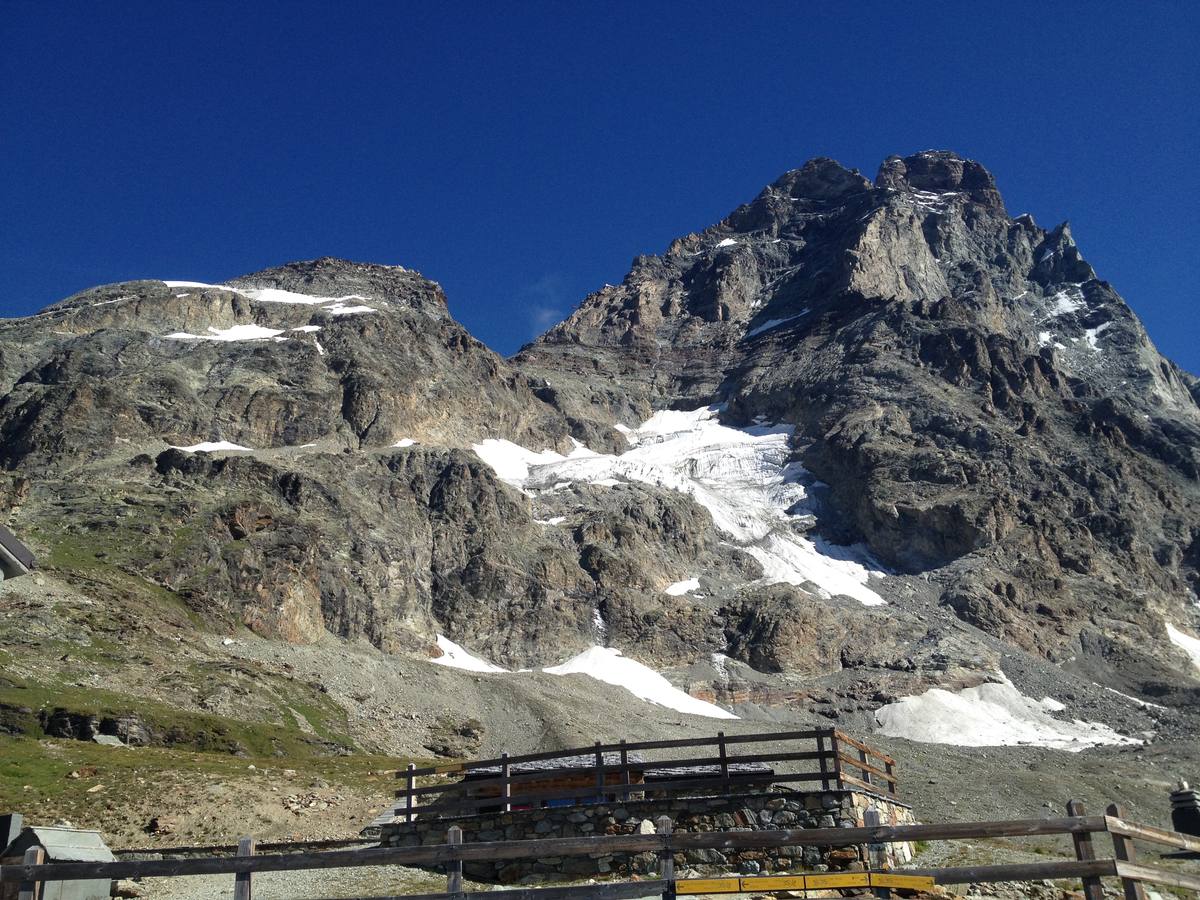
(756, 812)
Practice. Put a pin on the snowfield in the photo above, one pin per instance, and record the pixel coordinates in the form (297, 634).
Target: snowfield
(740, 475)
(1186, 643)
(602, 663)
(990, 715)
(608, 665)
(457, 657)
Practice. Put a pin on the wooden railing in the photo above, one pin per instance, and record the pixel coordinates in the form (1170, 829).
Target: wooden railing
(613, 776)
(1123, 865)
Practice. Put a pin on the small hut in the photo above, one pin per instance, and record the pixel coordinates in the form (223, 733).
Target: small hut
(60, 845)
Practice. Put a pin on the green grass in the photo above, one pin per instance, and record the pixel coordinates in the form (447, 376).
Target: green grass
(178, 727)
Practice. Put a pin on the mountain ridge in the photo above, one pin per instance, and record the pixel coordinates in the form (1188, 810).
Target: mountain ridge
(961, 396)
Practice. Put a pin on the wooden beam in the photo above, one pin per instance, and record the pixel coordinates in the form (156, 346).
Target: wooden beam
(31, 888)
(1118, 825)
(1021, 871)
(622, 890)
(530, 849)
(242, 885)
(454, 868)
(859, 745)
(1093, 889)
(1158, 876)
(1124, 852)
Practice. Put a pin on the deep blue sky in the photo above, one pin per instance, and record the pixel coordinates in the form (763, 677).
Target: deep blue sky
(522, 154)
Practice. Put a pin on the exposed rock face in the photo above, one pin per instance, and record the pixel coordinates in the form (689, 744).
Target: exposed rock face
(985, 414)
(981, 405)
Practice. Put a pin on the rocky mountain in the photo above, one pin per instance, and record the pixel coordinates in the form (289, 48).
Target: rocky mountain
(986, 412)
(857, 440)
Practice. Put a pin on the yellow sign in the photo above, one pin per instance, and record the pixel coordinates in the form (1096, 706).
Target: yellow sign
(708, 886)
(800, 882)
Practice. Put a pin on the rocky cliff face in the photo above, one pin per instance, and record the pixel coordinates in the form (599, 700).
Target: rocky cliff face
(986, 412)
(900, 366)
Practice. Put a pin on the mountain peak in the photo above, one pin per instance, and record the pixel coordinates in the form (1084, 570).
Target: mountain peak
(940, 172)
(822, 178)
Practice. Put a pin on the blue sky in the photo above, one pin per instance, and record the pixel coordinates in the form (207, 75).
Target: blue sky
(522, 154)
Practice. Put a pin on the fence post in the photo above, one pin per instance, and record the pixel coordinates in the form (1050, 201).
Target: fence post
(505, 783)
(835, 748)
(454, 868)
(242, 883)
(408, 793)
(876, 853)
(862, 758)
(823, 762)
(1093, 888)
(31, 890)
(625, 777)
(666, 857)
(890, 768)
(1123, 850)
(599, 773)
(724, 760)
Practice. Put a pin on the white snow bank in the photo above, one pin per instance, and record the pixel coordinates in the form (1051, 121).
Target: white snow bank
(608, 665)
(774, 323)
(1186, 643)
(236, 333)
(728, 242)
(679, 588)
(308, 329)
(211, 447)
(990, 715)
(512, 461)
(740, 475)
(456, 657)
(340, 310)
(404, 442)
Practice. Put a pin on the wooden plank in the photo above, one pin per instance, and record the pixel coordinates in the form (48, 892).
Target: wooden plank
(859, 745)
(1118, 825)
(866, 786)
(837, 880)
(242, 884)
(666, 857)
(621, 890)
(454, 868)
(824, 762)
(532, 849)
(31, 887)
(772, 883)
(1154, 875)
(894, 880)
(506, 784)
(1093, 889)
(708, 886)
(625, 776)
(762, 738)
(865, 766)
(723, 755)
(1124, 851)
(1020, 871)
(408, 793)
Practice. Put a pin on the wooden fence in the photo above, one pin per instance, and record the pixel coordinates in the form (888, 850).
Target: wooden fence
(1086, 866)
(612, 772)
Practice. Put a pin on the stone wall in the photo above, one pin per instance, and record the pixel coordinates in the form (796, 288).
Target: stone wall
(821, 809)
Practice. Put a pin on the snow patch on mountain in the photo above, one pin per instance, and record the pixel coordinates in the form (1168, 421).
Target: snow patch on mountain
(457, 657)
(608, 665)
(212, 447)
(990, 715)
(234, 333)
(1186, 643)
(679, 588)
(740, 475)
